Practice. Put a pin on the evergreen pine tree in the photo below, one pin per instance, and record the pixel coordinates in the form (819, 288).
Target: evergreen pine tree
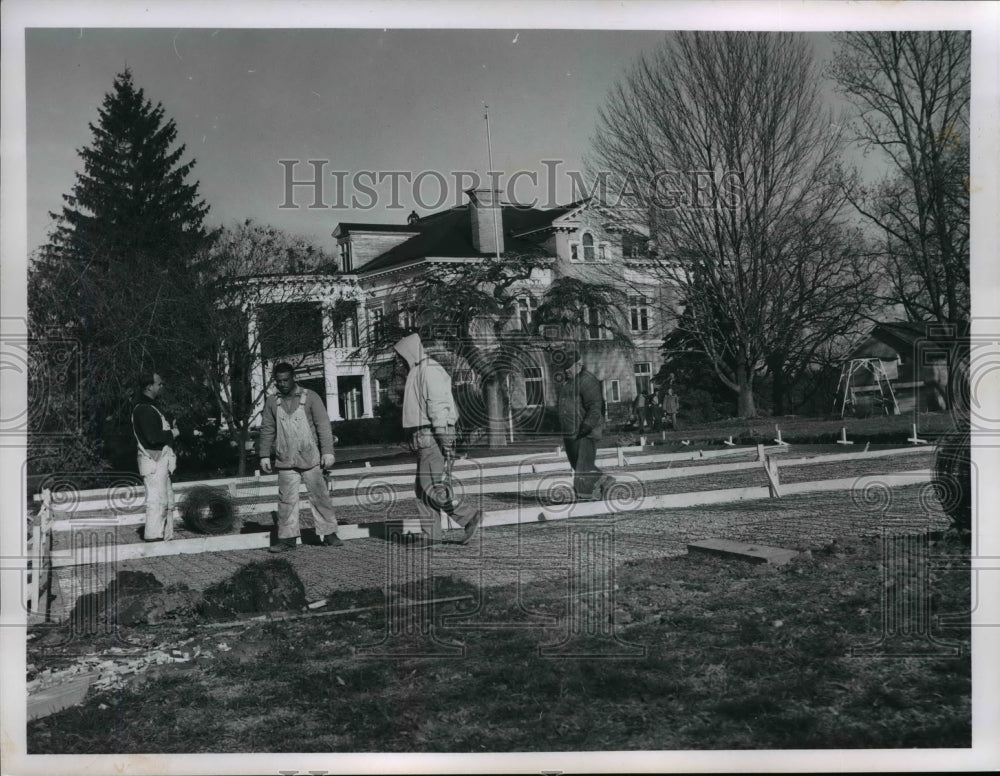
(119, 272)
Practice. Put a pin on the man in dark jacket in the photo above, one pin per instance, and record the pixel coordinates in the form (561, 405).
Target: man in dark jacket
(579, 408)
(153, 435)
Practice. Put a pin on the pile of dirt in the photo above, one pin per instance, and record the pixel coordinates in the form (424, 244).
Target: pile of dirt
(268, 586)
(139, 598)
(133, 597)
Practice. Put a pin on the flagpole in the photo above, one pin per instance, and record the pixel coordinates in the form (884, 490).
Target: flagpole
(496, 204)
(496, 244)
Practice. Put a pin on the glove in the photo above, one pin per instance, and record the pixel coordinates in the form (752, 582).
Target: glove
(584, 431)
(446, 439)
(327, 461)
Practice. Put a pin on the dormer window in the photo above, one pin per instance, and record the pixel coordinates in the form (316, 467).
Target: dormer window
(588, 249)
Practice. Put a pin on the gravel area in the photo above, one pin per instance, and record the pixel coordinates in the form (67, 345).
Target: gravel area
(532, 550)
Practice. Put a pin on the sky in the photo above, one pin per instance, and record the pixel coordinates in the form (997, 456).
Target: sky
(362, 100)
(379, 100)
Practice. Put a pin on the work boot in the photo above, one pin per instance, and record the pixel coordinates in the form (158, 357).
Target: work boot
(283, 545)
(601, 491)
(472, 526)
(331, 540)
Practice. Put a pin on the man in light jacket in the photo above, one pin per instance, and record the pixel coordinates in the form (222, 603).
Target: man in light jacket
(429, 418)
(578, 404)
(296, 428)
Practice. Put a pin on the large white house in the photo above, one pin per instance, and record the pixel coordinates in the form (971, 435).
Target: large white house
(380, 264)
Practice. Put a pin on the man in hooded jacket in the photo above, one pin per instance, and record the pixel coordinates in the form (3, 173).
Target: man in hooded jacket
(429, 418)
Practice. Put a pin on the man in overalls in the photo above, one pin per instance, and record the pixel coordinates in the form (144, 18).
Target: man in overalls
(153, 435)
(296, 428)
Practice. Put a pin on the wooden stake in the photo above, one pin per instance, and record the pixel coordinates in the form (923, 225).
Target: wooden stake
(915, 440)
(843, 437)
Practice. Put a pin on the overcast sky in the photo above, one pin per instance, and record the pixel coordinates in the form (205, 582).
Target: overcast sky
(380, 100)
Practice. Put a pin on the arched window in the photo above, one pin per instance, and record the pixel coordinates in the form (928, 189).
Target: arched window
(588, 246)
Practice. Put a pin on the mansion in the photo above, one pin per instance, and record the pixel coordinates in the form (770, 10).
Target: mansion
(380, 264)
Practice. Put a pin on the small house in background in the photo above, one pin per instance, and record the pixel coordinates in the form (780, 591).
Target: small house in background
(900, 367)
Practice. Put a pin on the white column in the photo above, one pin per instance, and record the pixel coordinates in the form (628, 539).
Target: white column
(258, 380)
(366, 392)
(330, 366)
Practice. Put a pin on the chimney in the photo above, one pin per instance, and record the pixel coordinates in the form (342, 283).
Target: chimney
(483, 203)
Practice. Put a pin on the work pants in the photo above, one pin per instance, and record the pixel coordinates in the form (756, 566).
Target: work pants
(433, 495)
(289, 481)
(586, 476)
(159, 495)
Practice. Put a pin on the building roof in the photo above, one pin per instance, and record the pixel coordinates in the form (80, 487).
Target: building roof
(889, 339)
(448, 234)
(346, 228)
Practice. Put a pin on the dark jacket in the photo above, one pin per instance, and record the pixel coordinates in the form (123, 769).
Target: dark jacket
(148, 424)
(579, 404)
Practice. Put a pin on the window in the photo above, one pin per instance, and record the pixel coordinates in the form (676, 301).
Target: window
(643, 377)
(526, 306)
(381, 393)
(613, 391)
(574, 252)
(633, 246)
(345, 256)
(588, 246)
(596, 325)
(346, 335)
(407, 319)
(290, 329)
(602, 252)
(639, 313)
(378, 324)
(595, 330)
(533, 389)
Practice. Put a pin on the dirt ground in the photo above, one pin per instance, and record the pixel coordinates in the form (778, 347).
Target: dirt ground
(861, 641)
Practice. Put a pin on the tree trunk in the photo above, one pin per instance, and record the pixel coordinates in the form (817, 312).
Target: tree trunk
(241, 440)
(779, 387)
(745, 406)
(495, 413)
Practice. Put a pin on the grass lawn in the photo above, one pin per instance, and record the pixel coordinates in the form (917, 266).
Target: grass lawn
(691, 652)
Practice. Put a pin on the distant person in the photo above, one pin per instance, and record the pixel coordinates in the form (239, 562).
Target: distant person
(671, 404)
(639, 410)
(156, 458)
(429, 418)
(296, 429)
(579, 408)
(655, 411)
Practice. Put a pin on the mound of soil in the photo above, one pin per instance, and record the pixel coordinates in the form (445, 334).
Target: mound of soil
(133, 597)
(268, 586)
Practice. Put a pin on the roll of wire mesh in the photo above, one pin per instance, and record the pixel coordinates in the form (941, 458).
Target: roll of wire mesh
(208, 510)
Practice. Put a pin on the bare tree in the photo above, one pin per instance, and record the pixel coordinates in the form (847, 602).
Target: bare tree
(912, 92)
(721, 143)
(469, 312)
(254, 308)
